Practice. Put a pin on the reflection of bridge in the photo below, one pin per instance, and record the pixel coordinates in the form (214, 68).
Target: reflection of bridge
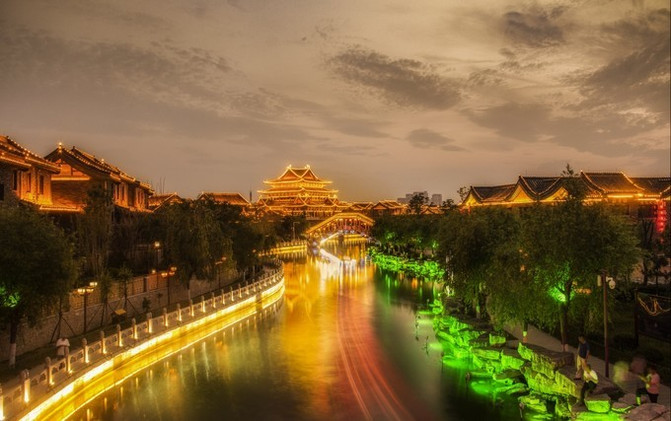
(345, 222)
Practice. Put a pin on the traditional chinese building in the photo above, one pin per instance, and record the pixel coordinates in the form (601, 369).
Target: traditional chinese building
(233, 199)
(24, 176)
(298, 191)
(159, 201)
(80, 172)
(640, 197)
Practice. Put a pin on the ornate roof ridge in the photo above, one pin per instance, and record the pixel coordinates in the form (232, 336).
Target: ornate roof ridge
(28, 157)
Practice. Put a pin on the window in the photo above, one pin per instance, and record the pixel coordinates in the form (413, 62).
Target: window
(41, 186)
(30, 182)
(2, 192)
(15, 180)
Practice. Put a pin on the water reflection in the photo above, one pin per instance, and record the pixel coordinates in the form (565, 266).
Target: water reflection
(346, 344)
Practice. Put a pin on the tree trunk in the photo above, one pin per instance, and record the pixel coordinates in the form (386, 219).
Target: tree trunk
(13, 333)
(563, 323)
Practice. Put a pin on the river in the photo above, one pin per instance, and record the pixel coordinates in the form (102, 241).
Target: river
(347, 343)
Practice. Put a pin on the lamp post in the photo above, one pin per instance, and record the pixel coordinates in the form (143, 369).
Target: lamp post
(157, 247)
(605, 282)
(84, 292)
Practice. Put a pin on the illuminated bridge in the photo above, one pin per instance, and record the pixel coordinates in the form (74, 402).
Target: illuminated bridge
(345, 222)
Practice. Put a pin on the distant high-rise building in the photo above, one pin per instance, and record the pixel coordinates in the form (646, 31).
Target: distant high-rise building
(436, 199)
(408, 196)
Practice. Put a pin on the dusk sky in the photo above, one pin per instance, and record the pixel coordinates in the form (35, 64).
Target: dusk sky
(382, 97)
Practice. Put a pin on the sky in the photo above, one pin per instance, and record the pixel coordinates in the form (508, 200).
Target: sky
(383, 97)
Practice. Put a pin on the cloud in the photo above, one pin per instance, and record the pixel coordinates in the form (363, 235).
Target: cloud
(534, 27)
(638, 77)
(522, 121)
(405, 82)
(425, 139)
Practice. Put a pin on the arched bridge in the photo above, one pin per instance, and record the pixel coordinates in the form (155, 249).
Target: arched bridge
(346, 222)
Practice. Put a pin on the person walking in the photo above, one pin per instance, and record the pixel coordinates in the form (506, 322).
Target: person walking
(581, 358)
(590, 379)
(652, 381)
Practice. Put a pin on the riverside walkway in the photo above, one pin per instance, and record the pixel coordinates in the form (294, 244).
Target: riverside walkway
(537, 337)
(55, 389)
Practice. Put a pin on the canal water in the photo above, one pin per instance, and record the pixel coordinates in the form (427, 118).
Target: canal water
(348, 342)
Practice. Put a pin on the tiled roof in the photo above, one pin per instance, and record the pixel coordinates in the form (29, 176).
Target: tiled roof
(597, 185)
(94, 163)
(653, 184)
(493, 193)
(297, 174)
(13, 153)
(230, 198)
(158, 200)
(610, 183)
(539, 186)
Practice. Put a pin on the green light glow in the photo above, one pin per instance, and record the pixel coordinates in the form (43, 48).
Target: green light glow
(8, 300)
(557, 295)
(428, 270)
(592, 416)
(483, 388)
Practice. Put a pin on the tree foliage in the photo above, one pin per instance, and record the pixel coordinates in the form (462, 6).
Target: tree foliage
(536, 264)
(416, 202)
(36, 267)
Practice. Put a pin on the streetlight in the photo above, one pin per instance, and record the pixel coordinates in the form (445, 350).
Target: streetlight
(157, 247)
(85, 291)
(609, 283)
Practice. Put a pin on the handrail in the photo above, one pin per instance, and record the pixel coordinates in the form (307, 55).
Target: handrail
(34, 384)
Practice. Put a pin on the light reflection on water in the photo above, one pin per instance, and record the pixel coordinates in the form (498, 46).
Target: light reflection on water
(346, 344)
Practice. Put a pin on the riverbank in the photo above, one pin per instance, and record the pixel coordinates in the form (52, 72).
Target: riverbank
(538, 372)
(57, 388)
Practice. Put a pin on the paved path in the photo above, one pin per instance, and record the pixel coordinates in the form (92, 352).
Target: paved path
(628, 383)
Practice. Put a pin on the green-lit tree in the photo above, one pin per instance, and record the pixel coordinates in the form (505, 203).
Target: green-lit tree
(472, 245)
(36, 268)
(566, 246)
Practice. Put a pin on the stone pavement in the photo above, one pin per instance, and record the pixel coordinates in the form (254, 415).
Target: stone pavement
(627, 383)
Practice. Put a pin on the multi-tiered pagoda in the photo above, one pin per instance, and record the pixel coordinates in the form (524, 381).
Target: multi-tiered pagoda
(298, 191)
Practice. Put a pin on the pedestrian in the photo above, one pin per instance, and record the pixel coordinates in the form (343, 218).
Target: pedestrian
(62, 347)
(590, 379)
(581, 358)
(652, 381)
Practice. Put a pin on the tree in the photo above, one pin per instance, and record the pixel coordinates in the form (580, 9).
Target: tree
(416, 202)
(94, 232)
(36, 268)
(448, 206)
(193, 240)
(463, 193)
(568, 245)
(476, 240)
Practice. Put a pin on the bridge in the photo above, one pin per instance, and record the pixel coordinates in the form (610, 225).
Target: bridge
(345, 222)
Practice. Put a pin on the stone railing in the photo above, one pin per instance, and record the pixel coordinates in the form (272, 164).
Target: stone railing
(37, 389)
